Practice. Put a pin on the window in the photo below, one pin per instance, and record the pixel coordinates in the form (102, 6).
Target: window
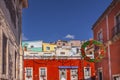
(55, 48)
(118, 19)
(10, 60)
(32, 46)
(25, 48)
(63, 53)
(59, 43)
(63, 44)
(100, 75)
(47, 48)
(4, 49)
(117, 28)
(63, 74)
(28, 72)
(43, 73)
(15, 62)
(116, 77)
(77, 50)
(100, 36)
(87, 72)
(74, 74)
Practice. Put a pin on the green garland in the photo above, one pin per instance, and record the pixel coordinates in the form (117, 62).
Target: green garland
(96, 43)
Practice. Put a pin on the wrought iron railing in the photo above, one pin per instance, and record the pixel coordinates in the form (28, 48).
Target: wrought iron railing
(116, 30)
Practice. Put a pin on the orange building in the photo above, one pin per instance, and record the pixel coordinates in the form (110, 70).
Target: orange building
(107, 30)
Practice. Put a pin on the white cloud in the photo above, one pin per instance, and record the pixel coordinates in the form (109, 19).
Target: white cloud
(69, 36)
(24, 37)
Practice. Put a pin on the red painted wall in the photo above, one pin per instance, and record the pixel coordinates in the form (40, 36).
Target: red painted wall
(53, 70)
(114, 47)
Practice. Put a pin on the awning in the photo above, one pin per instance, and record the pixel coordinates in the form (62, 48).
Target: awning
(68, 67)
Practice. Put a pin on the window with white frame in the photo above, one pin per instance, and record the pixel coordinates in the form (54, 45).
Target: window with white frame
(74, 74)
(28, 71)
(87, 72)
(116, 77)
(43, 73)
(100, 36)
(63, 74)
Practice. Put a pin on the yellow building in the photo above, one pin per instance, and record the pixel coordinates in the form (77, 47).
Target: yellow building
(49, 47)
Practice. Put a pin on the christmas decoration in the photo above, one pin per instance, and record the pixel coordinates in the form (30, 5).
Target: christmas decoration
(98, 50)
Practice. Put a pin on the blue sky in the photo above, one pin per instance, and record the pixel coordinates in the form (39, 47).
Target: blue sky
(51, 20)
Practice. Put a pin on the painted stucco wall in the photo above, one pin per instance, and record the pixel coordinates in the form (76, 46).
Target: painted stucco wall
(51, 46)
(59, 52)
(35, 46)
(52, 67)
(112, 53)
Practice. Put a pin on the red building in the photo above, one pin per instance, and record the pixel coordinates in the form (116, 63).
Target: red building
(56, 69)
(62, 63)
(107, 30)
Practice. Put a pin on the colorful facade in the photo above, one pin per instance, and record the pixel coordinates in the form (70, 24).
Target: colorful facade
(35, 46)
(61, 43)
(107, 30)
(57, 65)
(49, 47)
(62, 52)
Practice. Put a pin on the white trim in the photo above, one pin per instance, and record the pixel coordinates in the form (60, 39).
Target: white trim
(101, 30)
(40, 72)
(65, 73)
(89, 73)
(109, 57)
(31, 71)
(71, 74)
(116, 75)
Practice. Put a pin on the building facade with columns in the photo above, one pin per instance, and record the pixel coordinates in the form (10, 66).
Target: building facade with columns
(107, 30)
(10, 38)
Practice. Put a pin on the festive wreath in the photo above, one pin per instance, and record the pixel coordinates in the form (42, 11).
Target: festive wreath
(97, 46)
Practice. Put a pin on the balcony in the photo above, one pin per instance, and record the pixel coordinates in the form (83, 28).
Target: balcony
(116, 32)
